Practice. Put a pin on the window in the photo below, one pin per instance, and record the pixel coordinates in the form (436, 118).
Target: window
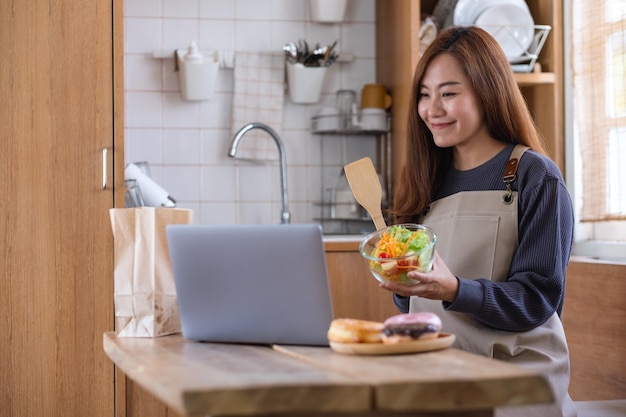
(597, 65)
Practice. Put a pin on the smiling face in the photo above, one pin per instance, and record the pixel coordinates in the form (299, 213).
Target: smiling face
(449, 106)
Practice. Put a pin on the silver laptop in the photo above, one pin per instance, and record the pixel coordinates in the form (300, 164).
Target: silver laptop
(258, 284)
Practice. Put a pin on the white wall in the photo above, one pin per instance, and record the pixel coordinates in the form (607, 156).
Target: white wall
(185, 142)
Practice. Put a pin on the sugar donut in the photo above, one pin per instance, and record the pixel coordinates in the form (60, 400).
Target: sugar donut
(344, 330)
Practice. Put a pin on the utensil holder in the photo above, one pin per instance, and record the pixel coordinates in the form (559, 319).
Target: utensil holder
(197, 80)
(305, 83)
(327, 11)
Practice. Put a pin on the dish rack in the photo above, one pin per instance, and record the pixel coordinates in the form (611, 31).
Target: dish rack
(526, 61)
(340, 124)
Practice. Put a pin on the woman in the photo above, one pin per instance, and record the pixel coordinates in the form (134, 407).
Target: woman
(476, 172)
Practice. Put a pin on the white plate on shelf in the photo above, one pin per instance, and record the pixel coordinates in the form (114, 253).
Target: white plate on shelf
(511, 25)
(467, 11)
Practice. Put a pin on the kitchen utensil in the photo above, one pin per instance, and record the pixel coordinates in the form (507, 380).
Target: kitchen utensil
(316, 57)
(365, 186)
(303, 48)
(329, 54)
(320, 56)
(291, 52)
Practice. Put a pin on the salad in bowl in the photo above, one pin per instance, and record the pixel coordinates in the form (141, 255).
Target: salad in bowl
(394, 251)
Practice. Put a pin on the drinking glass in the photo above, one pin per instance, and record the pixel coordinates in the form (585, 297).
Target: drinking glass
(346, 100)
(132, 194)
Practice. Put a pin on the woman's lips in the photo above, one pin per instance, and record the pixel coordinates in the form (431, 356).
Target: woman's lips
(439, 126)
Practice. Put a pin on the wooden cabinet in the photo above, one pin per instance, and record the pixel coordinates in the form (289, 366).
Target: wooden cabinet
(57, 113)
(397, 53)
(594, 318)
(354, 290)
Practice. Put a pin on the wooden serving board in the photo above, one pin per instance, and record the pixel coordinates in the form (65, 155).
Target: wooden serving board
(443, 341)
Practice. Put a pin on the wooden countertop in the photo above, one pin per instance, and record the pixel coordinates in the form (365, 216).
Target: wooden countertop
(342, 243)
(219, 379)
(434, 381)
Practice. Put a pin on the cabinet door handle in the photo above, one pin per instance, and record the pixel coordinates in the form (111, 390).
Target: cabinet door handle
(104, 167)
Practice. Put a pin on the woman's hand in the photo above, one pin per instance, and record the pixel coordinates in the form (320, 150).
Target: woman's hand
(438, 284)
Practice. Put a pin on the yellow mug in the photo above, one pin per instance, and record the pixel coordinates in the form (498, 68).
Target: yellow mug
(375, 96)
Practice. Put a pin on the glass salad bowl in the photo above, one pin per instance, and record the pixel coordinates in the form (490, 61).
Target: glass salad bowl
(392, 252)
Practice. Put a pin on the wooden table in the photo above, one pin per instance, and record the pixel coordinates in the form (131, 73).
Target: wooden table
(197, 379)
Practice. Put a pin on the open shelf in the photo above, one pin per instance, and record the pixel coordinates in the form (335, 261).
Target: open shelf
(534, 78)
(328, 124)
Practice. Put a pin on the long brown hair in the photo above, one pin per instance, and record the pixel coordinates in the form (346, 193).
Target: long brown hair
(506, 115)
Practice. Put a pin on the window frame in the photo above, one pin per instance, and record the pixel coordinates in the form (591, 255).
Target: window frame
(588, 240)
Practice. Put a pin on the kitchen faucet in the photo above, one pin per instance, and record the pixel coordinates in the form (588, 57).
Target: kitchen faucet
(285, 217)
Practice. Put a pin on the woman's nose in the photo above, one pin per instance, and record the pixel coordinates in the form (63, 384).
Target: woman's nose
(434, 107)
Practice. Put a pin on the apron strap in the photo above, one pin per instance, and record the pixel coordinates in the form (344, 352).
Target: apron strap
(511, 171)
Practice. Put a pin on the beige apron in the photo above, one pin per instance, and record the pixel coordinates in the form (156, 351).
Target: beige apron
(477, 236)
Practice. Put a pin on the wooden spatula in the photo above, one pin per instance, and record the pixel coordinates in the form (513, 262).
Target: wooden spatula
(366, 188)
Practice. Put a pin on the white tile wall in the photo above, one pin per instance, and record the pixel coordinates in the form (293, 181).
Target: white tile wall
(185, 142)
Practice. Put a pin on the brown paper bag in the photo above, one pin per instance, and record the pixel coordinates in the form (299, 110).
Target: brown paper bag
(144, 291)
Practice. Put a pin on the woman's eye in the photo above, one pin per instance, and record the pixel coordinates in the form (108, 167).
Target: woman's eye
(422, 95)
(448, 94)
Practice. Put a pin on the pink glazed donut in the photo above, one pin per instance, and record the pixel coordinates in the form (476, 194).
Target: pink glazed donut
(411, 326)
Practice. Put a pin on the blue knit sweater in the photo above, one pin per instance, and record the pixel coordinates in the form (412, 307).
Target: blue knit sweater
(535, 287)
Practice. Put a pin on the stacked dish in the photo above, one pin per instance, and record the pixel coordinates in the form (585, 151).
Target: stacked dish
(508, 21)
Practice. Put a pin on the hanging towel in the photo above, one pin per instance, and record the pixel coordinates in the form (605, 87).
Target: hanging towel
(258, 97)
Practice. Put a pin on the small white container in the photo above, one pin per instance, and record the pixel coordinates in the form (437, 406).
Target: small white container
(196, 73)
(305, 83)
(373, 119)
(328, 11)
